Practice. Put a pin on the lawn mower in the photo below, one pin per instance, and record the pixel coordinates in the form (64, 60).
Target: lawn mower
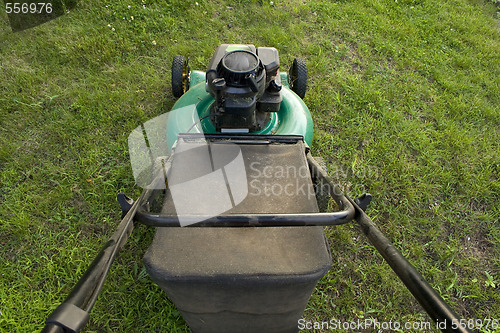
(238, 202)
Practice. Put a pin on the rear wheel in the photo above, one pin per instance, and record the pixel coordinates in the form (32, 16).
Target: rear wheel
(297, 77)
(180, 76)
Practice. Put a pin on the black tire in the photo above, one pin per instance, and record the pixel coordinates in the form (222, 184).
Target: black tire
(297, 77)
(180, 76)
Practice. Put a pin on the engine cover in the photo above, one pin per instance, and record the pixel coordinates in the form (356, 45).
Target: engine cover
(245, 84)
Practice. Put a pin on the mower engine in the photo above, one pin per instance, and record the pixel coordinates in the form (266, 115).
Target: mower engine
(246, 86)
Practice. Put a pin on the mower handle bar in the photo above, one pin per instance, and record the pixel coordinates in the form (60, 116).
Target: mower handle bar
(345, 215)
(78, 304)
(428, 298)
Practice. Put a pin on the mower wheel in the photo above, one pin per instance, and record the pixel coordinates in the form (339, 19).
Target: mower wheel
(180, 76)
(297, 77)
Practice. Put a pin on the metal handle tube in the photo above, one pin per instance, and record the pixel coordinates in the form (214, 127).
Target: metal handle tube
(72, 314)
(345, 215)
(52, 328)
(247, 220)
(255, 220)
(429, 299)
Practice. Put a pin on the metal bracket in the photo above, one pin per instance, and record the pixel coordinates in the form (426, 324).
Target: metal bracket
(125, 203)
(363, 201)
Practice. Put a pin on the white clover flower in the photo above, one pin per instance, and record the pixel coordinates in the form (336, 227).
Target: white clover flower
(109, 25)
(129, 6)
(132, 18)
(112, 29)
(154, 42)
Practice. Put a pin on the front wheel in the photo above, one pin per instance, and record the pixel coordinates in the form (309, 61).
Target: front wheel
(180, 76)
(298, 77)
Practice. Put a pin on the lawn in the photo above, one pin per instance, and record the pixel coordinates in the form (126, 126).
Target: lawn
(405, 97)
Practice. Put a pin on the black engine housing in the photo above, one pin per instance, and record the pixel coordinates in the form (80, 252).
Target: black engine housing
(246, 86)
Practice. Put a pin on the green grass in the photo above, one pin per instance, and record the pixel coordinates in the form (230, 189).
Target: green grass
(405, 96)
